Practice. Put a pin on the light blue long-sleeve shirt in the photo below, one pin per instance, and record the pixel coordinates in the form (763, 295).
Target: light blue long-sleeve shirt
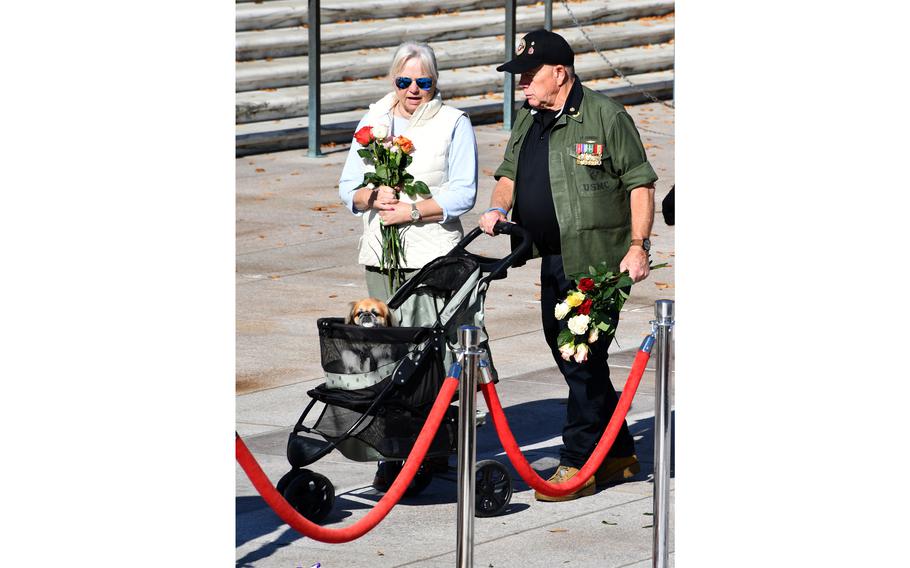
(458, 200)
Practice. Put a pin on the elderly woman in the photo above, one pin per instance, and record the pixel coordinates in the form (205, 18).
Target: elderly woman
(444, 157)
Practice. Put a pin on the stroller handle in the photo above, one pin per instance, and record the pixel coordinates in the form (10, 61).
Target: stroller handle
(497, 267)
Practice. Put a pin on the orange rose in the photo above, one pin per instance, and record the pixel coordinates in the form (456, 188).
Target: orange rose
(404, 143)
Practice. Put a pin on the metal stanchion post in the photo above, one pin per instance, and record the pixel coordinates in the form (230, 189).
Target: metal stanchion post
(508, 86)
(469, 337)
(314, 117)
(548, 15)
(663, 310)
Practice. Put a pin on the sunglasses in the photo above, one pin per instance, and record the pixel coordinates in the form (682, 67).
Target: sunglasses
(423, 83)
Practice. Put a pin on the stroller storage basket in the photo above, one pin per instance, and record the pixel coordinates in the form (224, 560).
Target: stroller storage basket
(359, 363)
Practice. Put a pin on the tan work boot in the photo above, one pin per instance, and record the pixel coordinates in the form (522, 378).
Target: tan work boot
(617, 469)
(565, 473)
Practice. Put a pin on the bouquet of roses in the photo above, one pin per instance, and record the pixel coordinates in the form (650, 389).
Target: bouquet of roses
(390, 158)
(591, 309)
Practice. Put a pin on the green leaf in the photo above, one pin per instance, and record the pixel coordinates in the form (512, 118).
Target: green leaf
(602, 326)
(421, 188)
(365, 154)
(565, 336)
(382, 171)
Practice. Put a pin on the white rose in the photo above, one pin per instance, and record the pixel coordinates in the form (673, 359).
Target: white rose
(594, 335)
(395, 149)
(579, 324)
(581, 353)
(380, 131)
(561, 310)
(567, 351)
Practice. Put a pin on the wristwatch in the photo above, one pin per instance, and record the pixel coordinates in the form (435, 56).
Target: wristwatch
(415, 213)
(643, 243)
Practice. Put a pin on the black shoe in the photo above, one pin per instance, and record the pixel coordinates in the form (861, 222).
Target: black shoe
(386, 472)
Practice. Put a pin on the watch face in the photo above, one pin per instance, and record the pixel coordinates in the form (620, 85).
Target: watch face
(646, 244)
(415, 214)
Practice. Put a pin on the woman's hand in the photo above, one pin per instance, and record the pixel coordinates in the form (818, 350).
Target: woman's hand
(385, 197)
(396, 214)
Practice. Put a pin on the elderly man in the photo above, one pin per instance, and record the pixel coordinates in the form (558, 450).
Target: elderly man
(576, 176)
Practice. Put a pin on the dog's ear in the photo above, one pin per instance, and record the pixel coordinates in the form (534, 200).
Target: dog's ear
(349, 317)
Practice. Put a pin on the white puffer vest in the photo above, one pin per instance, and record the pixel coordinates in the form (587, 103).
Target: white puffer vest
(430, 129)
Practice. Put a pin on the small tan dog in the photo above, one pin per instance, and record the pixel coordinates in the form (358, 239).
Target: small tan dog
(369, 312)
(365, 358)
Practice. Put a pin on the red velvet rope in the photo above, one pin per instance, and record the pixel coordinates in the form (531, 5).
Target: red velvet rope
(310, 529)
(600, 451)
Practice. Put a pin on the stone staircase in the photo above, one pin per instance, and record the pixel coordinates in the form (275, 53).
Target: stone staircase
(359, 37)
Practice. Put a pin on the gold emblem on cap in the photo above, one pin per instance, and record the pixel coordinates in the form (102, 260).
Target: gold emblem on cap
(520, 48)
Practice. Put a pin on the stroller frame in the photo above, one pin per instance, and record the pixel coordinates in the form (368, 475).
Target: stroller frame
(398, 393)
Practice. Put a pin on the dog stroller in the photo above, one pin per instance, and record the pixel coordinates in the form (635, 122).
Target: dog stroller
(381, 382)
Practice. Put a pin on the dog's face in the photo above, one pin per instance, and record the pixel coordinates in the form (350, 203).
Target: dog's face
(369, 312)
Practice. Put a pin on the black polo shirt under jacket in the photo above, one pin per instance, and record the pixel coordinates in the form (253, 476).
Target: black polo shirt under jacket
(534, 209)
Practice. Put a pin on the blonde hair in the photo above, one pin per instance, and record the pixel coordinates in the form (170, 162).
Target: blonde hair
(423, 52)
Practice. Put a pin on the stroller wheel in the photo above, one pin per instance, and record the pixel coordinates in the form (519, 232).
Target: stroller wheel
(388, 471)
(493, 488)
(286, 479)
(311, 494)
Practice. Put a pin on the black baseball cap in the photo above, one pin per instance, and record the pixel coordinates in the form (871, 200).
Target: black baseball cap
(539, 47)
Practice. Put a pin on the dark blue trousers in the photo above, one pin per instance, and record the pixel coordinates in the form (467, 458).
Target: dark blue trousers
(592, 397)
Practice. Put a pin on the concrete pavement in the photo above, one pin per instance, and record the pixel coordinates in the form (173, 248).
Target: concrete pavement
(296, 262)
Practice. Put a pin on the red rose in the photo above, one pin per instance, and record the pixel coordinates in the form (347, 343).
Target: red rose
(585, 285)
(585, 307)
(364, 136)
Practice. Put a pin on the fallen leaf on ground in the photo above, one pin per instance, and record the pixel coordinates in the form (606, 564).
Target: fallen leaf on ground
(609, 523)
(663, 285)
(559, 530)
(260, 170)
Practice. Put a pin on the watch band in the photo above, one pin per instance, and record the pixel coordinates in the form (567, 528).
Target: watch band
(643, 243)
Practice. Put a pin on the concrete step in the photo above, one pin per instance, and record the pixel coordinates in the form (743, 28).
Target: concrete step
(289, 71)
(254, 106)
(289, 134)
(338, 37)
(290, 13)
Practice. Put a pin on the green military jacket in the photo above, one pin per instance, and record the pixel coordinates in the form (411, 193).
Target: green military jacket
(591, 202)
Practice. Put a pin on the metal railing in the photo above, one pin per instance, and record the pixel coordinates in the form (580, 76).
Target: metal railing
(315, 80)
